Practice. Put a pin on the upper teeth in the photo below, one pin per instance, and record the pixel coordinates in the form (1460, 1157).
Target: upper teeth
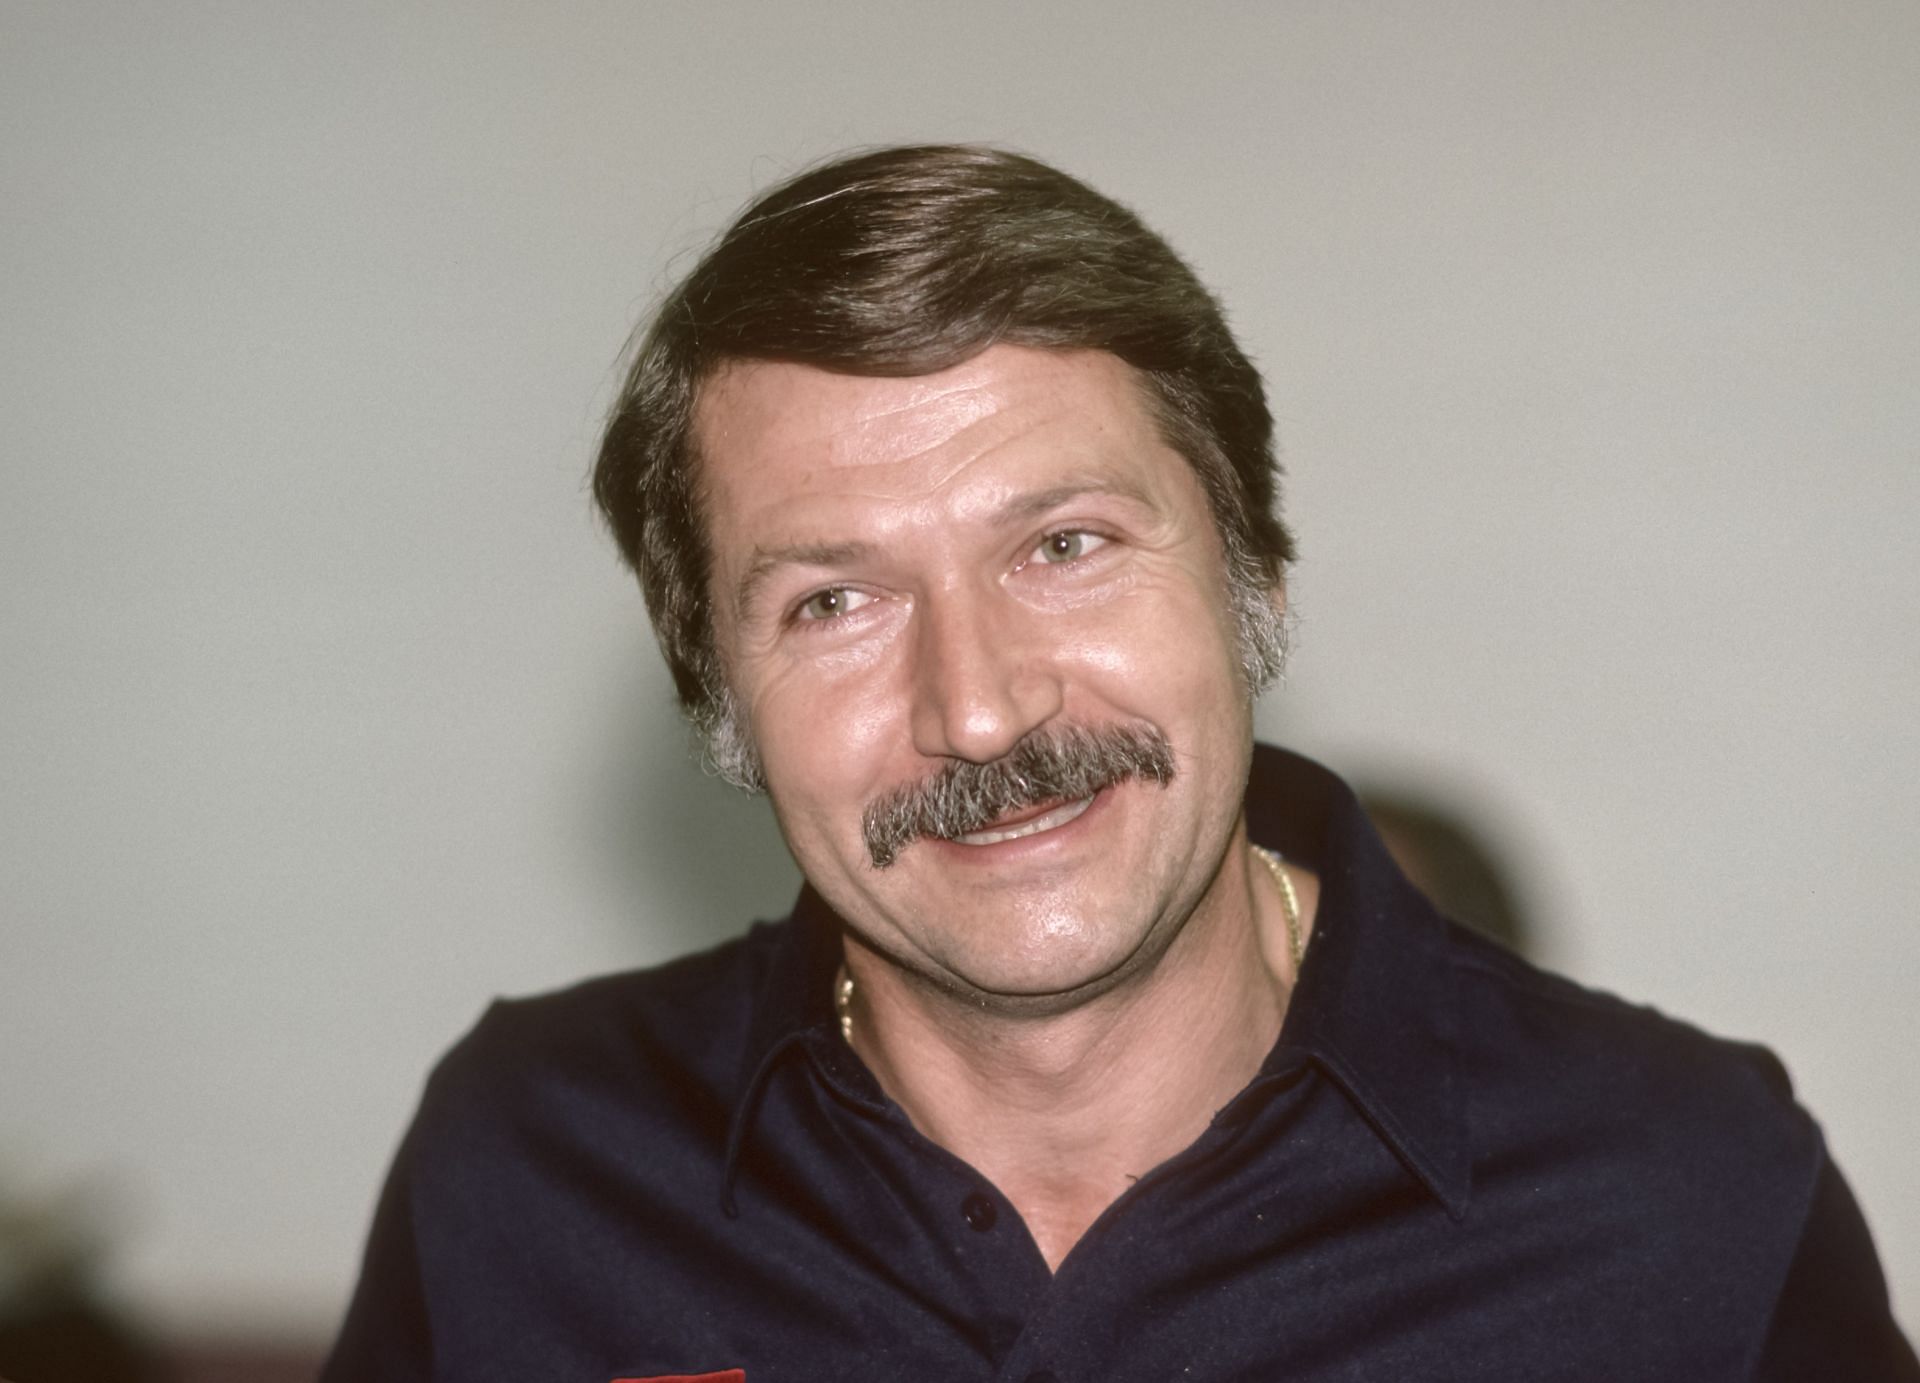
(1046, 821)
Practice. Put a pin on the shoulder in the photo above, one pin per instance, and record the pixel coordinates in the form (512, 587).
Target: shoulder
(642, 1044)
(561, 1132)
(1526, 1024)
(1698, 1192)
(1642, 1132)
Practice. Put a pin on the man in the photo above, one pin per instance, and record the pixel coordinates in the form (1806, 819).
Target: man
(1101, 1045)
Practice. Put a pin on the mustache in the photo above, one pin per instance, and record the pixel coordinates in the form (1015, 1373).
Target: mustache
(1046, 765)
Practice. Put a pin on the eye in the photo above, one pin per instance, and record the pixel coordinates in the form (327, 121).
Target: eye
(1068, 545)
(830, 604)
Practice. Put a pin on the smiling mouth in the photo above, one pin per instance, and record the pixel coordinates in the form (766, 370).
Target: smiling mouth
(1049, 820)
(1041, 784)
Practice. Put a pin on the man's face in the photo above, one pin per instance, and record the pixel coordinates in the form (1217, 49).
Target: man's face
(910, 573)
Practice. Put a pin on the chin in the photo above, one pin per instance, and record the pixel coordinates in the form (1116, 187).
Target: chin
(1060, 975)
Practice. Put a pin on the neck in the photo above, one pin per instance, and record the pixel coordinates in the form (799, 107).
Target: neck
(1063, 1113)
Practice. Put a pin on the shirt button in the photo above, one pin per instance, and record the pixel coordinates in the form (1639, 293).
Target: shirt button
(980, 1213)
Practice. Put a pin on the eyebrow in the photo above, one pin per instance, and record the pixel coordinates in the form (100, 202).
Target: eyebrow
(1030, 505)
(1037, 502)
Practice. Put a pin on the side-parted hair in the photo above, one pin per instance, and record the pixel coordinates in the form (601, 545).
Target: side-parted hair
(907, 261)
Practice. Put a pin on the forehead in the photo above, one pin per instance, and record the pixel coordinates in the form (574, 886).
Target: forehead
(777, 440)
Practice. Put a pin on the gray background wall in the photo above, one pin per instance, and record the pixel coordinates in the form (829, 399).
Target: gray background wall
(1591, 329)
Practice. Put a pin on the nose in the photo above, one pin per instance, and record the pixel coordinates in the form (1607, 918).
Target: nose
(981, 677)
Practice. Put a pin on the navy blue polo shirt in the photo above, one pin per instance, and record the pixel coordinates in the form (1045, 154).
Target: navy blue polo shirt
(1450, 1166)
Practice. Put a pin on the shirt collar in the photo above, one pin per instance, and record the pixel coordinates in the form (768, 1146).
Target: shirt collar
(1374, 1006)
(793, 1007)
(795, 996)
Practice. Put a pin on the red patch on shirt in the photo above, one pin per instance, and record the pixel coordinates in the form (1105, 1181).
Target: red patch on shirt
(724, 1376)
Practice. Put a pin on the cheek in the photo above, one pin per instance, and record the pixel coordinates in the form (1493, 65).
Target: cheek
(1171, 641)
(824, 732)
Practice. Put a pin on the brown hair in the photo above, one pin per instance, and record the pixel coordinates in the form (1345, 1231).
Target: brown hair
(906, 261)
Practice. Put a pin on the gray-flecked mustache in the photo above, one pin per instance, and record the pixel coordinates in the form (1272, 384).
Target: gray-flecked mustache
(1047, 765)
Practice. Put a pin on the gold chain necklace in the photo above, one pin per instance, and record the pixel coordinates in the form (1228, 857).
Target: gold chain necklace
(843, 1002)
(1289, 907)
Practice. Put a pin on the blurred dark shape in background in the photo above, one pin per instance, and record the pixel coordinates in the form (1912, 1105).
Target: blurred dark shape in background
(54, 1324)
(57, 1323)
(243, 1362)
(76, 1341)
(1451, 861)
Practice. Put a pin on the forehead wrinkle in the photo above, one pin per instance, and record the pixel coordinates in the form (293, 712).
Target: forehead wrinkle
(955, 403)
(965, 419)
(969, 496)
(923, 395)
